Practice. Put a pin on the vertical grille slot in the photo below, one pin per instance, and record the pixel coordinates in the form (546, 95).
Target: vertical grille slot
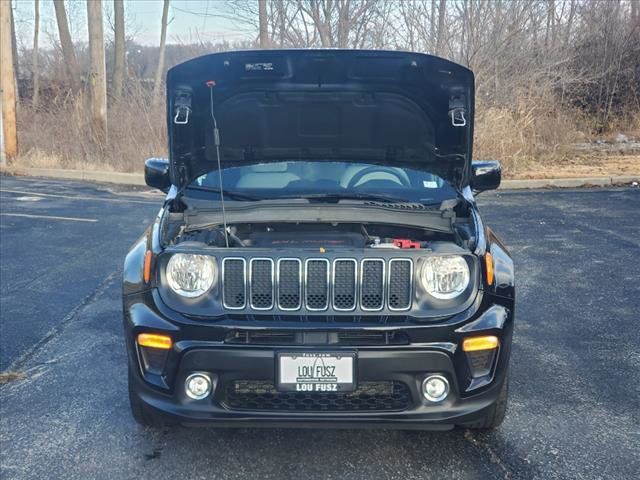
(400, 284)
(372, 284)
(317, 284)
(261, 283)
(344, 284)
(289, 283)
(234, 283)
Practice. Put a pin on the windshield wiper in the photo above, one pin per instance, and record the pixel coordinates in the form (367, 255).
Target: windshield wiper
(335, 197)
(225, 192)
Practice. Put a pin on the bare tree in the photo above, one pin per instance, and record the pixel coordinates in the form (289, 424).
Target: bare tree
(118, 49)
(68, 52)
(442, 11)
(9, 142)
(35, 72)
(157, 83)
(262, 20)
(97, 76)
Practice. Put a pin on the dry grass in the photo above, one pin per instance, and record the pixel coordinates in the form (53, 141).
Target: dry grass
(585, 166)
(59, 136)
(6, 377)
(527, 133)
(532, 138)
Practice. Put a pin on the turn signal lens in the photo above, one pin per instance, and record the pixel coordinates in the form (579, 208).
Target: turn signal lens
(146, 272)
(474, 344)
(154, 340)
(488, 263)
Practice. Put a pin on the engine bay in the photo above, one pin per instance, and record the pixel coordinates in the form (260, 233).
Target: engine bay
(315, 236)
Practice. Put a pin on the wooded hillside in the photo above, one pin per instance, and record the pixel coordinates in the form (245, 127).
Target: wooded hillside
(554, 77)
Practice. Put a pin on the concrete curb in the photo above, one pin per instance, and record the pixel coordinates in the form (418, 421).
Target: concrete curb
(569, 182)
(84, 175)
(138, 179)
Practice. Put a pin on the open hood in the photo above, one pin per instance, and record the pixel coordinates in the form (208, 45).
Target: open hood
(390, 108)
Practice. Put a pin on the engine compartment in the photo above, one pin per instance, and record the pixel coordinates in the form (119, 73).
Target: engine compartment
(315, 236)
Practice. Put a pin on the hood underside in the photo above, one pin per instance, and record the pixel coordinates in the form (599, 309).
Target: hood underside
(390, 108)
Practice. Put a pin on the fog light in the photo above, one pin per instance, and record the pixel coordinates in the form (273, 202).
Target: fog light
(198, 385)
(435, 388)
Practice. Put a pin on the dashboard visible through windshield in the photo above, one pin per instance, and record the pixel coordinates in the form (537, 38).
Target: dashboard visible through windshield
(296, 179)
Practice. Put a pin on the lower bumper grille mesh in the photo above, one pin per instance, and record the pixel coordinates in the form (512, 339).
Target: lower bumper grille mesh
(369, 396)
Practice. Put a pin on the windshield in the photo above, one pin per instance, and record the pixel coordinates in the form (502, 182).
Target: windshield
(325, 179)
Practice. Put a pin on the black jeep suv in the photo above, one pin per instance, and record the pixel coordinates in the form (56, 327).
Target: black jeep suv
(319, 259)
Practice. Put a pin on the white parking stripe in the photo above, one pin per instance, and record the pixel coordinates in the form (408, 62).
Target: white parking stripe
(49, 217)
(74, 197)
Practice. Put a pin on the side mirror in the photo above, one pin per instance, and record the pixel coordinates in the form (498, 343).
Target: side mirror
(156, 173)
(485, 175)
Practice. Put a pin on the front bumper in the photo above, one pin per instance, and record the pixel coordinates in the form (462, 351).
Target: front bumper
(431, 348)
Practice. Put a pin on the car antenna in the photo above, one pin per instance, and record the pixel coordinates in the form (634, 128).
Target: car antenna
(216, 141)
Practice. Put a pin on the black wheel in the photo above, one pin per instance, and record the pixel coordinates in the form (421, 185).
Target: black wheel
(495, 415)
(140, 412)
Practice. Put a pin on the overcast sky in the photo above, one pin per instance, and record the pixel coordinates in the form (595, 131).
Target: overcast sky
(190, 20)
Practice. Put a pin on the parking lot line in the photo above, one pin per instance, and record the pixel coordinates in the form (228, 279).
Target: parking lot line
(49, 217)
(78, 197)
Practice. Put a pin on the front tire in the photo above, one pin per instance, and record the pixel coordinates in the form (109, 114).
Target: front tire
(141, 412)
(496, 413)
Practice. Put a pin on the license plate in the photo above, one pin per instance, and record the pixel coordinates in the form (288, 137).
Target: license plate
(315, 372)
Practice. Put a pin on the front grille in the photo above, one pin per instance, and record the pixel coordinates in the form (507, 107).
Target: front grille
(289, 283)
(344, 284)
(372, 284)
(368, 396)
(400, 283)
(261, 283)
(233, 290)
(316, 284)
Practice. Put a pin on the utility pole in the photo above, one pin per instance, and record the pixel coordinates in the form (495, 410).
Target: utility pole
(262, 20)
(97, 75)
(157, 83)
(118, 50)
(9, 140)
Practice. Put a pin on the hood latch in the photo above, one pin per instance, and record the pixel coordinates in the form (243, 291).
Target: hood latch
(182, 107)
(457, 111)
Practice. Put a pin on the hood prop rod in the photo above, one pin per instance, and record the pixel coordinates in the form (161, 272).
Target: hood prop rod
(216, 141)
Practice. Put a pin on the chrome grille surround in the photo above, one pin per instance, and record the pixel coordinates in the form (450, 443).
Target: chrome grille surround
(323, 285)
(286, 298)
(392, 293)
(261, 297)
(225, 285)
(370, 288)
(339, 286)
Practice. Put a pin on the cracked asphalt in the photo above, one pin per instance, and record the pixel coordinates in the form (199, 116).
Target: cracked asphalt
(574, 408)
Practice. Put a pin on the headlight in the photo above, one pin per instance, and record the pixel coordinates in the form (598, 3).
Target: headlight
(191, 275)
(445, 277)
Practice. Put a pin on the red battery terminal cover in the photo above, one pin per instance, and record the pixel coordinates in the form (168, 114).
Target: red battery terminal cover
(405, 243)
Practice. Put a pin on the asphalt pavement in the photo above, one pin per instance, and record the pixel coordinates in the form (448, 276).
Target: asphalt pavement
(575, 372)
